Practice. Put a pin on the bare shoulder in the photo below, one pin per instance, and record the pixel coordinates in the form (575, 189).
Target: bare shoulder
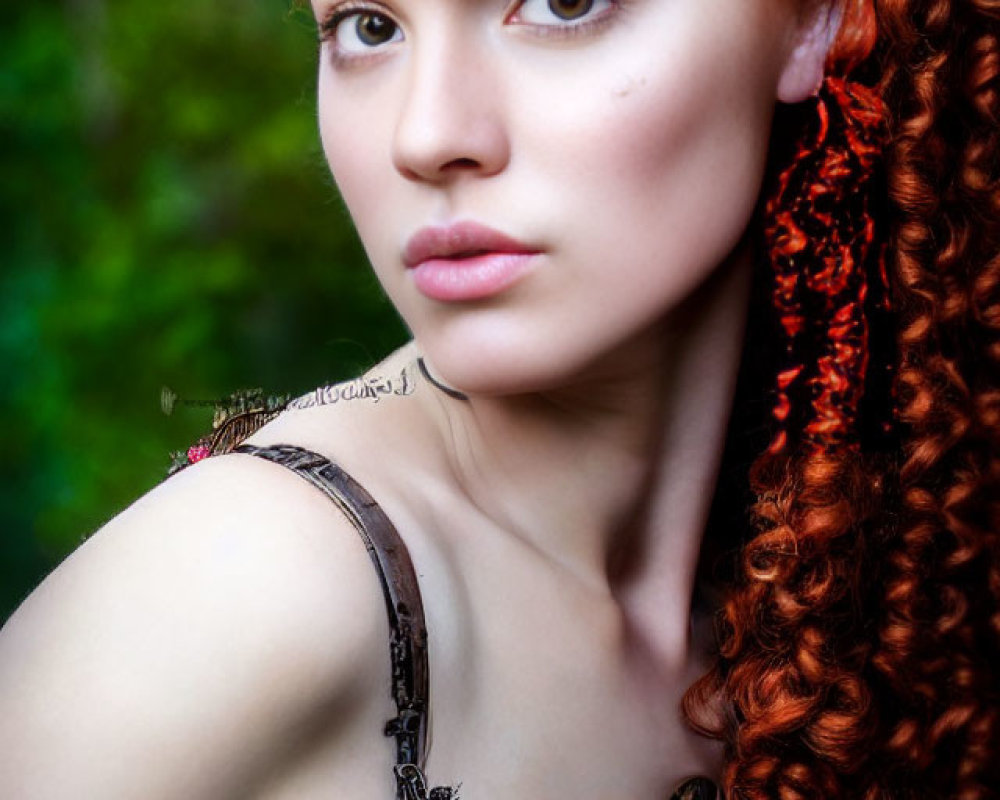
(220, 613)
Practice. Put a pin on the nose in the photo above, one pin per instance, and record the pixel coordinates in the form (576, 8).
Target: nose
(451, 122)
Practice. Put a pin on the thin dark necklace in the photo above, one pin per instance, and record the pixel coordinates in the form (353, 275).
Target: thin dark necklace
(435, 382)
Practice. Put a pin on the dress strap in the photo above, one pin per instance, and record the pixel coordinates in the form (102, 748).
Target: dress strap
(404, 606)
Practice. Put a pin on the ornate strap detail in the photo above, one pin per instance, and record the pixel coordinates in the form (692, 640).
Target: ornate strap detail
(404, 606)
(411, 785)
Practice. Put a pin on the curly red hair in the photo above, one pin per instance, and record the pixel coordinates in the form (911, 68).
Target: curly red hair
(860, 643)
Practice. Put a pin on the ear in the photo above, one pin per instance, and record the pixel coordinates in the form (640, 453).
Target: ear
(803, 71)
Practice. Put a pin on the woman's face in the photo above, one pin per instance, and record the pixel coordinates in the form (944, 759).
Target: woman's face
(619, 143)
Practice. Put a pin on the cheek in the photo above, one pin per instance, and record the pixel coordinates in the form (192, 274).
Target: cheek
(665, 155)
(356, 148)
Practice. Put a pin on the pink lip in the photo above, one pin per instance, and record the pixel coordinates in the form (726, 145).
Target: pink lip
(465, 261)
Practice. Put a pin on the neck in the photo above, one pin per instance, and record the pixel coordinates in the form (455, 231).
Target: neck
(611, 476)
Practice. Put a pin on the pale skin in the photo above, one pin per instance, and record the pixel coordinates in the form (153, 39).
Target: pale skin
(225, 636)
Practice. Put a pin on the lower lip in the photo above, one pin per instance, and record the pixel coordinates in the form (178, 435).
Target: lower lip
(473, 278)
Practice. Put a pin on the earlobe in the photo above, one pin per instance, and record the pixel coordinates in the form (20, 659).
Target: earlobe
(804, 68)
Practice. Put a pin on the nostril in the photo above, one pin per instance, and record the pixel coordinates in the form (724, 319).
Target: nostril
(462, 163)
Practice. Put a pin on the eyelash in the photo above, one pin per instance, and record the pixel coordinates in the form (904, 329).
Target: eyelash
(336, 16)
(572, 29)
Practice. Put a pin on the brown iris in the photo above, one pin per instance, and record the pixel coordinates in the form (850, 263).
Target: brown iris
(570, 9)
(374, 29)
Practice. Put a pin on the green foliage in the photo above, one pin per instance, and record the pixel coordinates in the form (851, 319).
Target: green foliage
(167, 220)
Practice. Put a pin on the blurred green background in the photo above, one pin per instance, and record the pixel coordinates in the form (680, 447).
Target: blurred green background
(166, 219)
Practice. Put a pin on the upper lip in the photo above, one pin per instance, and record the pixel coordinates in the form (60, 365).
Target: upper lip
(462, 239)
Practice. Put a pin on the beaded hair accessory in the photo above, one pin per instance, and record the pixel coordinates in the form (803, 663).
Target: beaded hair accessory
(820, 236)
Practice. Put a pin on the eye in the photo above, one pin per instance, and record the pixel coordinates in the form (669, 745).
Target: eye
(559, 13)
(357, 31)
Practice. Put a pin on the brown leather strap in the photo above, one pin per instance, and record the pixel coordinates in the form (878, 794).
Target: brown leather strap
(408, 643)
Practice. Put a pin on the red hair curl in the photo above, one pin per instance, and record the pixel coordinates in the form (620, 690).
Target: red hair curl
(860, 645)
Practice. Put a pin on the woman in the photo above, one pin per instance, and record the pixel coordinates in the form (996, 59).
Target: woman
(559, 197)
